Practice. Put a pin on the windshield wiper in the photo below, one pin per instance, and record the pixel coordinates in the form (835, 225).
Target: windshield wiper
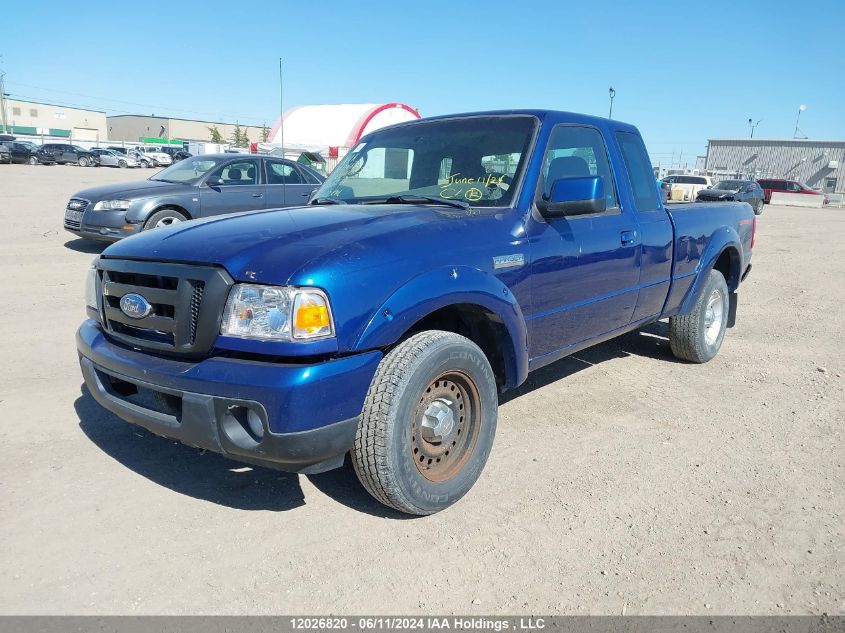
(327, 200)
(175, 182)
(415, 199)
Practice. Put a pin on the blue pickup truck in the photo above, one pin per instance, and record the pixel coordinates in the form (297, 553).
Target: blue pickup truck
(441, 262)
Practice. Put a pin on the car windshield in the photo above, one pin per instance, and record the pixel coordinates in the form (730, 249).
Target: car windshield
(729, 185)
(476, 161)
(189, 170)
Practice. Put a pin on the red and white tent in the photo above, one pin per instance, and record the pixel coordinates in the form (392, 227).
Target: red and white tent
(320, 126)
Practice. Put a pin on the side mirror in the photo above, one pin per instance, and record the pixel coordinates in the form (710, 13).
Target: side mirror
(213, 182)
(575, 196)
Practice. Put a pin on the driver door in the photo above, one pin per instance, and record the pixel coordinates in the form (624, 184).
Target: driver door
(233, 187)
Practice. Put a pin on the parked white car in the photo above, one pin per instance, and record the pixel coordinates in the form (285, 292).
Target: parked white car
(155, 157)
(684, 187)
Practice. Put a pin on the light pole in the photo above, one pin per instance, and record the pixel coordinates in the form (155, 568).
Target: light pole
(801, 108)
(752, 125)
(612, 94)
(281, 109)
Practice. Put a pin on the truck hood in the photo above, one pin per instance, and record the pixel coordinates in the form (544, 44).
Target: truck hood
(139, 189)
(271, 246)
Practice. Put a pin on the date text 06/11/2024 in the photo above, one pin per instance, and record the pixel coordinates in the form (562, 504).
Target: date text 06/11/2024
(417, 623)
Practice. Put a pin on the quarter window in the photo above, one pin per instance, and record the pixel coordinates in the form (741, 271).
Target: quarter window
(639, 171)
(282, 174)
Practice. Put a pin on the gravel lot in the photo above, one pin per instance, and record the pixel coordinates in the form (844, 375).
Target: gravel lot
(621, 481)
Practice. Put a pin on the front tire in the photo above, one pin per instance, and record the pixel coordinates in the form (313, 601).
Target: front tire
(121, 164)
(758, 207)
(165, 217)
(33, 160)
(428, 423)
(697, 336)
(82, 162)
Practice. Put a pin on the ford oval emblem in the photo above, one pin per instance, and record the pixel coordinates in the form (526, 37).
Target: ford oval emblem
(135, 306)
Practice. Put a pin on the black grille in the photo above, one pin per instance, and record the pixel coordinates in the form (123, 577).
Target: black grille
(73, 214)
(196, 300)
(77, 204)
(186, 304)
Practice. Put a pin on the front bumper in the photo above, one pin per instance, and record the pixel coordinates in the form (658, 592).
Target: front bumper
(308, 412)
(111, 226)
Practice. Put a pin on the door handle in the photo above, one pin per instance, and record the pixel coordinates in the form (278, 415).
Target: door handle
(306, 194)
(628, 237)
(257, 195)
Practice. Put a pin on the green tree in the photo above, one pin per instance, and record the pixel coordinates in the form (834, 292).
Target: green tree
(216, 136)
(244, 139)
(265, 133)
(237, 136)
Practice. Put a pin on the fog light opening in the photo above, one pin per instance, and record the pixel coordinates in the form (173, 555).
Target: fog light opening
(243, 426)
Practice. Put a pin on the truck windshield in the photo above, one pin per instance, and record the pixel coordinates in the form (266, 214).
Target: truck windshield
(189, 170)
(476, 160)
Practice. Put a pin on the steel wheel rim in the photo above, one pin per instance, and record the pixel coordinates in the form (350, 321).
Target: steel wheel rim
(445, 426)
(713, 316)
(166, 222)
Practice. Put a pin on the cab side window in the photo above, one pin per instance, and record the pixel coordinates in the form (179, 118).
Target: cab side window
(574, 151)
(238, 173)
(640, 172)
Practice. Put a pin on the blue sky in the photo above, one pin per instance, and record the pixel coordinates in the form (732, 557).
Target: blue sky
(683, 72)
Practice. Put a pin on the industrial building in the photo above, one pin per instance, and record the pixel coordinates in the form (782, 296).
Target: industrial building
(818, 164)
(34, 118)
(134, 128)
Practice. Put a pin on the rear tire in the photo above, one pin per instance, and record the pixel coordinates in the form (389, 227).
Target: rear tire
(428, 423)
(697, 336)
(163, 218)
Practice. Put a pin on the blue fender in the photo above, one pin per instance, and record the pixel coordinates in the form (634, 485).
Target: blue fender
(726, 237)
(443, 287)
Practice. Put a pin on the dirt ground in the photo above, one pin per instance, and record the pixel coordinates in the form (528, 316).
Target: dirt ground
(621, 480)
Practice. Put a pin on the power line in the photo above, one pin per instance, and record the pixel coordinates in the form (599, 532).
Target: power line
(133, 103)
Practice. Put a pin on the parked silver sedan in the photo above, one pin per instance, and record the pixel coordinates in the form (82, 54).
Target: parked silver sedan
(110, 158)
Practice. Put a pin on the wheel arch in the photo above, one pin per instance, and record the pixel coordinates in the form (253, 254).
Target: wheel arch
(477, 305)
(165, 206)
(726, 258)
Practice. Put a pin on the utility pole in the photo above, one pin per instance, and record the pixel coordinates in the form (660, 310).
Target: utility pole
(3, 97)
(281, 109)
(612, 94)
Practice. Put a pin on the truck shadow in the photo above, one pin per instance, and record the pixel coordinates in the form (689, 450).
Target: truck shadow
(186, 470)
(81, 245)
(651, 341)
(211, 477)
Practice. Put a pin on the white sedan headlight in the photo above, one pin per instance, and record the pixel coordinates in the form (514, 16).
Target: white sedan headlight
(277, 313)
(111, 205)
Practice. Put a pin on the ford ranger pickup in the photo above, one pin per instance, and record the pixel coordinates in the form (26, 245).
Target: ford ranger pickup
(442, 261)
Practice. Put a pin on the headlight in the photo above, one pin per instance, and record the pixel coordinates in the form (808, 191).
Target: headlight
(111, 205)
(277, 313)
(91, 289)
